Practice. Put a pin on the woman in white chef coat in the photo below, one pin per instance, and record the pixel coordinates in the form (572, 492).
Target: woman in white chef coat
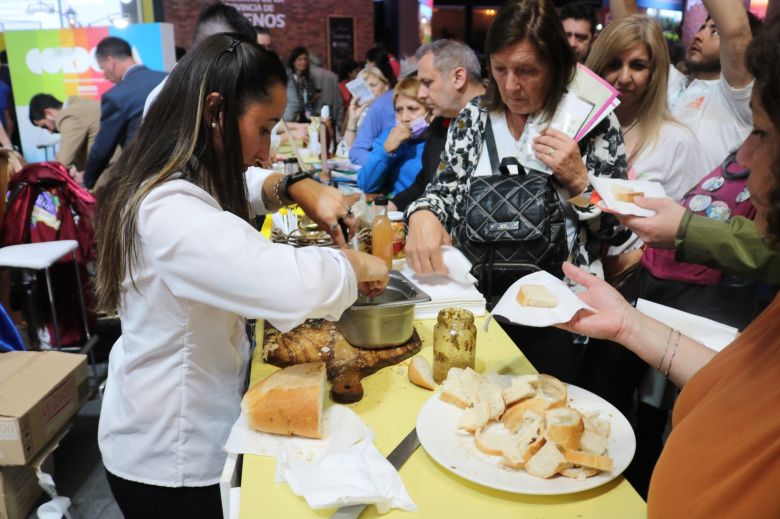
(183, 267)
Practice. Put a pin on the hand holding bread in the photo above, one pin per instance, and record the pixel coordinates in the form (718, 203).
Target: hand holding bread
(536, 295)
(624, 193)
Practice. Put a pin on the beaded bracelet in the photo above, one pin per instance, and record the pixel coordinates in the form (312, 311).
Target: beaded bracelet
(278, 191)
(668, 341)
(674, 352)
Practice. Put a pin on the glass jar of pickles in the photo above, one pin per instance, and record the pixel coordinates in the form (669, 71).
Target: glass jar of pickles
(454, 342)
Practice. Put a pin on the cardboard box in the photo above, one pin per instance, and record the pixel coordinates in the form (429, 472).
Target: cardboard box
(39, 392)
(19, 489)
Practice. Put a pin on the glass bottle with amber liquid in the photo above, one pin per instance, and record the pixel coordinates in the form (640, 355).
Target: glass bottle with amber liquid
(382, 232)
(454, 342)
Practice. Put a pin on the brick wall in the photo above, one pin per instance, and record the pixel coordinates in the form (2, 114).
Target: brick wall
(305, 21)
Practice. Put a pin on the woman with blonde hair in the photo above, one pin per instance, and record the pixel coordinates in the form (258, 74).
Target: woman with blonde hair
(396, 157)
(631, 54)
(358, 108)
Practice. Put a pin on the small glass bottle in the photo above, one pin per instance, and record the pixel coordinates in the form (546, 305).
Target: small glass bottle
(454, 342)
(399, 233)
(382, 232)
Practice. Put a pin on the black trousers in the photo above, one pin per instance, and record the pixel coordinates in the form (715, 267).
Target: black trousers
(141, 501)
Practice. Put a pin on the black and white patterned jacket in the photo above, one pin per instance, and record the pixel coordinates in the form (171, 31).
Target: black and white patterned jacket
(602, 151)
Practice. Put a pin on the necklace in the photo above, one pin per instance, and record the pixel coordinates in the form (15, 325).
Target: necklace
(630, 126)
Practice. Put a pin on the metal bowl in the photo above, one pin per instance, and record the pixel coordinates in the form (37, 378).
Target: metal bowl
(383, 321)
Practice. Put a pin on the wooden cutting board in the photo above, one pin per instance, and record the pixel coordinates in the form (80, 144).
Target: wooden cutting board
(317, 339)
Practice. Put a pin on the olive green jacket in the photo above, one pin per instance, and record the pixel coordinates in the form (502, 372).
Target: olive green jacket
(736, 247)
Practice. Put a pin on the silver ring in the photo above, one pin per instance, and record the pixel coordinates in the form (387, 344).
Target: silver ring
(550, 151)
(349, 213)
(333, 227)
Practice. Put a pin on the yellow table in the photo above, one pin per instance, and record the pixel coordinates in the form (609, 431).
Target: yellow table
(390, 407)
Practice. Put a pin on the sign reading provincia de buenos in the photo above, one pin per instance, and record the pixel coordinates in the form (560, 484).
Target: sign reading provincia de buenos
(262, 13)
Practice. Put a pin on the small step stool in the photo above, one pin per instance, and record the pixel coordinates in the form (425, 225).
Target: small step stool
(41, 256)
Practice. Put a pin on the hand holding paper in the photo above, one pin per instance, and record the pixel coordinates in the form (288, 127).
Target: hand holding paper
(612, 195)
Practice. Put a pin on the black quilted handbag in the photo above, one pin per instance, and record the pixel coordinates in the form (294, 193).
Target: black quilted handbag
(511, 224)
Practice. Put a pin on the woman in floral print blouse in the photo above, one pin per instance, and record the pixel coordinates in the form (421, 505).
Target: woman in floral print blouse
(531, 65)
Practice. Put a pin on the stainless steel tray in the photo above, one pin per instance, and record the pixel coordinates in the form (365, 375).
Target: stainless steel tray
(386, 320)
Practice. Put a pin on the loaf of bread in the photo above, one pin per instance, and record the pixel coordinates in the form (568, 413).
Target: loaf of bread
(536, 295)
(288, 401)
(420, 373)
(624, 194)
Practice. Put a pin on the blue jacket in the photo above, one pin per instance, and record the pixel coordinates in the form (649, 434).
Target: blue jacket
(121, 109)
(391, 173)
(380, 117)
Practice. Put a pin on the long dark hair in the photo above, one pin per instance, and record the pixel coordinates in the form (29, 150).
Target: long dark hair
(763, 61)
(175, 138)
(295, 54)
(537, 22)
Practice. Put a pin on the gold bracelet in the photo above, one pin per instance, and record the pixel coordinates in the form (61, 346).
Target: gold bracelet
(668, 340)
(278, 191)
(674, 352)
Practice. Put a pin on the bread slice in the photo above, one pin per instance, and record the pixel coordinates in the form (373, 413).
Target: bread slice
(289, 401)
(520, 388)
(578, 472)
(564, 427)
(493, 395)
(475, 417)
(420, 373)
(550, 393)
(598, 425)
(547, 462)
(536, 295)
(461, 387)
(624, 193)
(552, 390)
(494, 439)
(528, 440)
(592, 442)
(588, 460)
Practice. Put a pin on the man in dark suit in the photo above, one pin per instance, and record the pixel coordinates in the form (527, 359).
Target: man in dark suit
(122, 106)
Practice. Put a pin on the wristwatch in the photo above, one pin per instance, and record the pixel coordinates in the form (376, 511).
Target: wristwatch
(292, 179)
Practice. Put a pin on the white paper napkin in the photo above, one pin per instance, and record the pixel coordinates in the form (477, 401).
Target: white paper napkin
(456, 289)
(342, 476)
(604, 188)
(568, 303)
(339, 423)
(342, 468)
(712, 334)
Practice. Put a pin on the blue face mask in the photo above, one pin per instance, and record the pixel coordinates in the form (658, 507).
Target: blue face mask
(418, 127)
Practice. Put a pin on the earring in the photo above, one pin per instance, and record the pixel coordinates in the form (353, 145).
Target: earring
(213, 125)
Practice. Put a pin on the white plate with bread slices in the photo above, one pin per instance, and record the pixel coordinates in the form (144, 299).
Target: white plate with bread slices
(526, 434)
